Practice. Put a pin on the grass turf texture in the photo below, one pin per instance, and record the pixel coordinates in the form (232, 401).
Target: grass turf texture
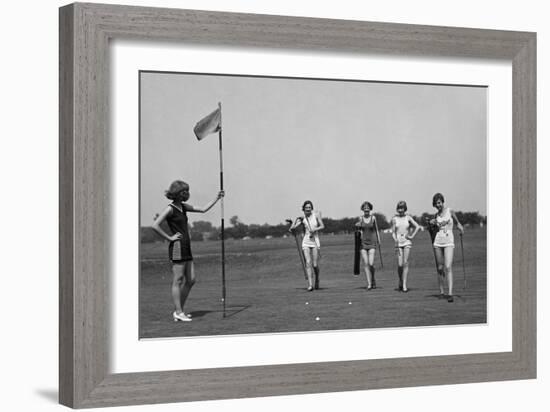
(266, 289)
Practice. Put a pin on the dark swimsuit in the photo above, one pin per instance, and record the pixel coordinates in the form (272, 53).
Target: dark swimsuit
(368, 238)
(180, 250)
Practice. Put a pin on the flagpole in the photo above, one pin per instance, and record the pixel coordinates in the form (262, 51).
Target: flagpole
(222, 212)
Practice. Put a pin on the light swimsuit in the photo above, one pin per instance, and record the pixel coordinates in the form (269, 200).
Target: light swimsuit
(444, 237)
(310, 240)
(402, 225)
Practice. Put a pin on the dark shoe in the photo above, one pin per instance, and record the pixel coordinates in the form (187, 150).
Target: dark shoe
(450, 299)
(399, 288)
(310, 289)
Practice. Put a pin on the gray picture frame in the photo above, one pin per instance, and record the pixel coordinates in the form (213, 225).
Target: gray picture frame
(85, 32)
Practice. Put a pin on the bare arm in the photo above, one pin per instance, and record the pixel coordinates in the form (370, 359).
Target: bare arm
(320, 220)
(393, 230)
(321, 224)
(207, 207)
(158, 221)
(416, 227)
(458, 224)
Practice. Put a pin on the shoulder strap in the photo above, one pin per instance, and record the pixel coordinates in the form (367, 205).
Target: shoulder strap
(174, 207)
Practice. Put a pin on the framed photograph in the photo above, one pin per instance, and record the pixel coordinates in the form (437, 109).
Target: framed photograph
(269, 193)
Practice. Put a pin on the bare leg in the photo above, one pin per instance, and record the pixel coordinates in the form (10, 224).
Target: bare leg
(368, 275)
(315, 253)
(177, 280)
(399, 251)
(406, 253)
(440, 259)
(371, 253)
(189, 277)
(307, 255)
(449, 253)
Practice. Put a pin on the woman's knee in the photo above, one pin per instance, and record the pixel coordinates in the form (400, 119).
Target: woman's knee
(177, 281)
(178, 277)
(190, 280)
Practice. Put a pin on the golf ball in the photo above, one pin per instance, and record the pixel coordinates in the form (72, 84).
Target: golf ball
(349, 303)
(317, 318)
(307, 303)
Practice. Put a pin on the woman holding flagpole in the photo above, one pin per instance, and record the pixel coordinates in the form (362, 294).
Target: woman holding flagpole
(312, 224)
(443, 243)
(369, 240)
(179, 249)
(401, 226)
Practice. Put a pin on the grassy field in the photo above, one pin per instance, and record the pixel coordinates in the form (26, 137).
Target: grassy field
(266, 289)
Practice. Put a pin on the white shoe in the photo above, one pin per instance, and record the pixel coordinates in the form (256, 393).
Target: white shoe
(181, 317)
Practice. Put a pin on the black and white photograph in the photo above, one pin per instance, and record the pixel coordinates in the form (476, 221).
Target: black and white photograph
(280, 204)
(275, 206)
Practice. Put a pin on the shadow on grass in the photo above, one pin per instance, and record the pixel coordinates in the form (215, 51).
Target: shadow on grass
(444, 297)
(229, 311)
(371, 289)
(200, 313)
(436, 296)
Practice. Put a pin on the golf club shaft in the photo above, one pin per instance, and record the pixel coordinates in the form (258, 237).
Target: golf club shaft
(379, 244)
(298, 247)
(463, 264)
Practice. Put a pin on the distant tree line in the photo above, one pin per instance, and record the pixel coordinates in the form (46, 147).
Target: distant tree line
(466, 218)
(203, 230)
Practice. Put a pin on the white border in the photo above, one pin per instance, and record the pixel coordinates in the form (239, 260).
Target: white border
(128, 354)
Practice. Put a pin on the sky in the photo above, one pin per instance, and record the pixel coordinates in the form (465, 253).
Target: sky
(336, 143)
